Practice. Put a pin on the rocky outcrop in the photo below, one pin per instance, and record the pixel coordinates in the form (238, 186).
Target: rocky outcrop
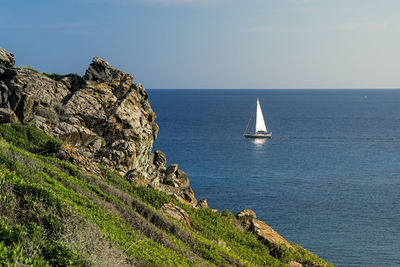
(202, 203)
(309, 264)
(105, 118)
(294, 264)
(102, 118)
(6, 61)
(265, 233)
(176, 212)
(245, 217)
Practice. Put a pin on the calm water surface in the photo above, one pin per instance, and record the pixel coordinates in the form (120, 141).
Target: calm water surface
(329, 178)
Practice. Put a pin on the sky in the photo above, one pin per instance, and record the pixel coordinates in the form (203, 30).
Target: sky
(184, 44)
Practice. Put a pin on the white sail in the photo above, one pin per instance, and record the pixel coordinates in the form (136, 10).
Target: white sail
(260, 124)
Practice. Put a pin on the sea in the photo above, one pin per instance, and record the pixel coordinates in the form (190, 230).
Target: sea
(329, 179)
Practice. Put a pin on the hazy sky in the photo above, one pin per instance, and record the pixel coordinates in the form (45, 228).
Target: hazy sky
(212, 43)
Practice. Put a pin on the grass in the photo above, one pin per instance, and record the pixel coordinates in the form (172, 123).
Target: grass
(29, 138)
(52, 214)
(29, 68)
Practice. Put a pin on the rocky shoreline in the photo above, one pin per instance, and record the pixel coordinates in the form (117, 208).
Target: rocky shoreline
(102, 118)
(105, 118)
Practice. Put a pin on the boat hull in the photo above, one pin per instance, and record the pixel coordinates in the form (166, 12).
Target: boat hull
(259, 136)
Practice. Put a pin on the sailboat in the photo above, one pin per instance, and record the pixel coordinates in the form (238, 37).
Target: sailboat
(260, 128)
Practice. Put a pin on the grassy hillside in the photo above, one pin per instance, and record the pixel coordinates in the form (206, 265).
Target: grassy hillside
(52, 214)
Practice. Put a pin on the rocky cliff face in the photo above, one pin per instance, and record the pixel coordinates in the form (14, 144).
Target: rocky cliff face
(103, 118)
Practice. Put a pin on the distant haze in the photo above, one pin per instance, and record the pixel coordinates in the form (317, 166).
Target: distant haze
(213, 43)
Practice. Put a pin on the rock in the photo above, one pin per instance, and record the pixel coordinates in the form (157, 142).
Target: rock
(172, 168)
(245, 217)
(266, 234)
(6, 60)
(68, 153)
(108, 109)
(183, 182)
(312, 264)
(202, 203)
(7, 115)
(137, 178)
(170, 179)
(176, 212)
(101, 71)
(180, 174)
(188, 196)
(159, 158)
(295, 264)
(73, 82)
(103, 116)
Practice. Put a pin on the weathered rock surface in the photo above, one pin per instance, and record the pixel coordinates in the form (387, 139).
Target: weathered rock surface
(202, 203)
(245, 217)
(74, 156)
(294, 264)
(103, 118)
(176, 212)
(265, 233)
(6, 61)
(309, 264)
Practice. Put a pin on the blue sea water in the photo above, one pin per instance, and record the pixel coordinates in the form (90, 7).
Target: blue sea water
(329, 179)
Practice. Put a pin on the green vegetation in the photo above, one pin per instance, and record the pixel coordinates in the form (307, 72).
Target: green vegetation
(52, 214)
(29, 138)
(28, 68)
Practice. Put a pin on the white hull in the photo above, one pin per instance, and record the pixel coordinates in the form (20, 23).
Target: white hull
(260, 136)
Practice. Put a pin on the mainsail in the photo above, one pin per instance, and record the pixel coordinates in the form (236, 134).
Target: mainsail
(260, 124)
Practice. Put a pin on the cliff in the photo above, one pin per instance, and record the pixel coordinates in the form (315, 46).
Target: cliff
(104, 118)
(87, 190)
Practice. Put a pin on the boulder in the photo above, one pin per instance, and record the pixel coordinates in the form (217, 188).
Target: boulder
(294, 264)
(183, 182)
(180, 174)
(266, 234)
(176, 212)
(170, 179)
(172, 168)
(72, 155)
(159, 158)
(245, 217)
(6, 60)
(312, 264)
(202, 203)
(101, 71)
(308, 264)
(188, 196)
(7, 115)
(137, 178)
